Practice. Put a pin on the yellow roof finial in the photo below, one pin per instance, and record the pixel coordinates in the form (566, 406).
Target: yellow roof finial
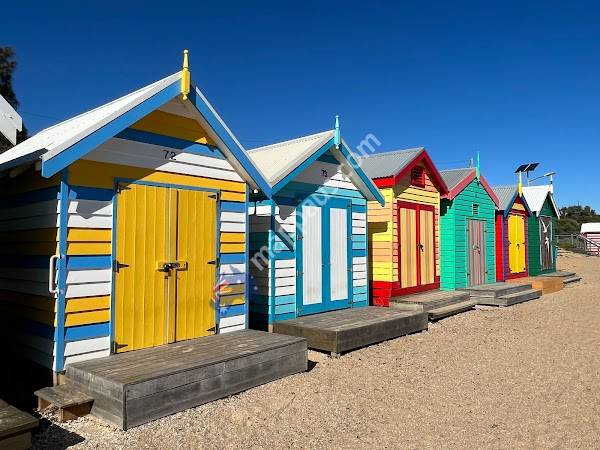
(185, 76)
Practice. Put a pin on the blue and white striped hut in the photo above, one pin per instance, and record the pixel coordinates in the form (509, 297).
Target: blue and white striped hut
(125, 228)
(308, 251)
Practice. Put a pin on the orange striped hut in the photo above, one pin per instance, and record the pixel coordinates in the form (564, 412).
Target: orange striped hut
(404, 234)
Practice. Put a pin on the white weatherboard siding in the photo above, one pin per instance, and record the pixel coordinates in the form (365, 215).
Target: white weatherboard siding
(338, 242)
(326, 174)
(234, 321)
(162, 159)
(312, 261)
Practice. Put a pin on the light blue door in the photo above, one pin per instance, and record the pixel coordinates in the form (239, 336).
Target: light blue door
(324, 255)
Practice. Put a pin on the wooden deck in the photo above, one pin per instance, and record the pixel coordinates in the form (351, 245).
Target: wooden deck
(348, 329)
(503, 294)
(437, 304)
(130, 389)
(15, 427)
(547, 285)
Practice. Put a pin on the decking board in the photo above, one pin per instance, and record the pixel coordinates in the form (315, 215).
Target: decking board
(134, 388)
(349, 329)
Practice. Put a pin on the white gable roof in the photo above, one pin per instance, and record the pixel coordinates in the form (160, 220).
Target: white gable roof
(593, 227)
(535, 196)
(53, 140)
(275, 161)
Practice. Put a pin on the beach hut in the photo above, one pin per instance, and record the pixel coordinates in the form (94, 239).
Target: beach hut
(591, 231)
(404, 237)
(542, 229)
(467, 230)
(308, 250)
(512, 241)
(125, 228)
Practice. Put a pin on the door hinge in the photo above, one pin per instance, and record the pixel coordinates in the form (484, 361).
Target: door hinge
(115, 347)
(214, 262)
(298, 273)
(122, 187)
(116, 266)
(215, 196)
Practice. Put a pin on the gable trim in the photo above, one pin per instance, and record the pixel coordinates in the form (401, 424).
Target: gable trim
(82, 147)
(466, 181)
(506, 212)
(426, 159)
(303, 165)
(214, 125)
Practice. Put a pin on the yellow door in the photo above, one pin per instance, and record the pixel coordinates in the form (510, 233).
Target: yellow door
(427, 246)
(196, 246)
(516, 243)
(408, 247)
(165, 240)
(521, 244)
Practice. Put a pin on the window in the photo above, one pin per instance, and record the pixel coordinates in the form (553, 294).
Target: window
(475, 209)
(417, 177)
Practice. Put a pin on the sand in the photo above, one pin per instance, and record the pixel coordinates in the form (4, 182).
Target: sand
(527, 376)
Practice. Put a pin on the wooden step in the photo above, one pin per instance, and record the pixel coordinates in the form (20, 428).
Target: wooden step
(450, 310)
(572, 279)
(511, 299)
(495, 290)
(428, 300)
(15, 427)
(71, 403)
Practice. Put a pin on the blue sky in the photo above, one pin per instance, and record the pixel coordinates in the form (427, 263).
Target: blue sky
(517, 81)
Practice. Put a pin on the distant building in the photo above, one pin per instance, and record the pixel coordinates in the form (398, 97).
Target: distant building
(10, 121)
(592, 232)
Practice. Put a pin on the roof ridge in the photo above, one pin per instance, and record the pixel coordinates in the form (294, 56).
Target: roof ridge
(298, 139)
(459, 168)
(390, 152)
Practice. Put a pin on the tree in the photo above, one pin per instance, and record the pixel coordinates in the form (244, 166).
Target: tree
(7, 68)
(573, 216)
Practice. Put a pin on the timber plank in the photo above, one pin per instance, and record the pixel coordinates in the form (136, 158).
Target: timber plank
(14, 421)
(143, 410)
(344, 330)
(132, 388)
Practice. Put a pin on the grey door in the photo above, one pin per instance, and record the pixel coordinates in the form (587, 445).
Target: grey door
(476, 252)
(546, 242)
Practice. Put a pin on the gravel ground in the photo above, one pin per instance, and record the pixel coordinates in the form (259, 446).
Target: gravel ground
(527, 376)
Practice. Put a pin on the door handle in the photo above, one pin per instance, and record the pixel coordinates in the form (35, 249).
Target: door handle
(52, 269)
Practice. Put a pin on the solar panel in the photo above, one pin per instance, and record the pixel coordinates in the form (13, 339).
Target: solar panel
(527, 167)
(521, 168)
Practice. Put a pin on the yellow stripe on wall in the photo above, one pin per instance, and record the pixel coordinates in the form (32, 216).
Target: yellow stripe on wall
(233, 248)
(167, 124)
(87, 304)
(233, 237)
(230, 300)
(89, 248)
(88, 235)
(87, 317)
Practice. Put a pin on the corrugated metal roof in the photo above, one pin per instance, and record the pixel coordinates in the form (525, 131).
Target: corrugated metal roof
(387, 164)
(505, 196)
(53, 140)
(536, 196)
(454, 176)
(275, 161)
